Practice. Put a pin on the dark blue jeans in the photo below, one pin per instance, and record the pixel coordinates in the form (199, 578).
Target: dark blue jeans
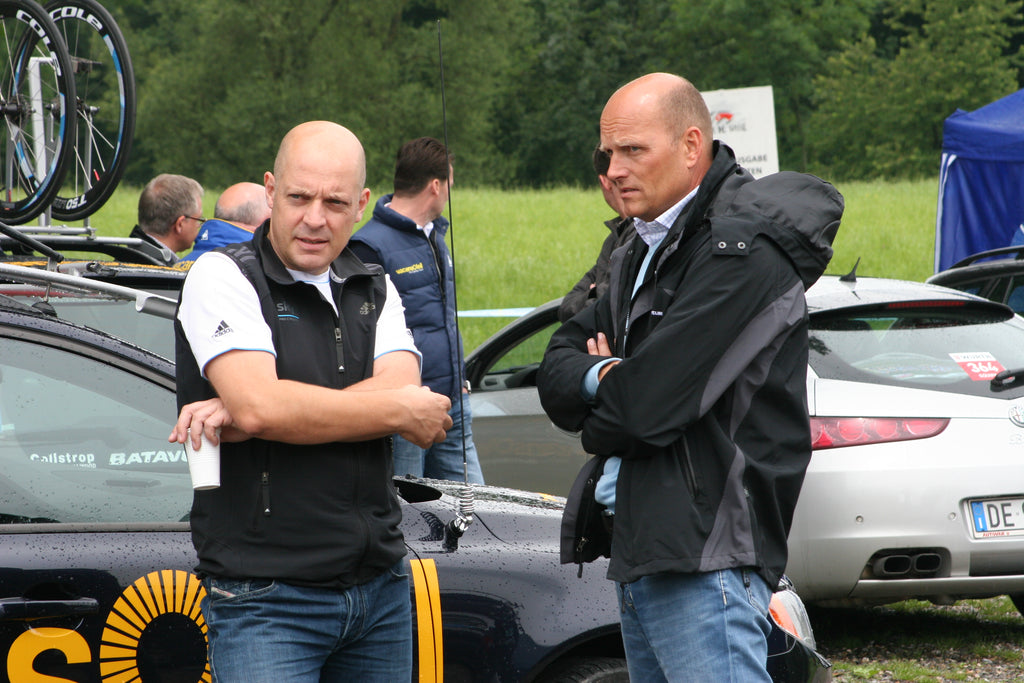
(263, 631)
(691, 628)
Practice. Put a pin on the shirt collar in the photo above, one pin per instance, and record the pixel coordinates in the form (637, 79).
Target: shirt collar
(652, 233)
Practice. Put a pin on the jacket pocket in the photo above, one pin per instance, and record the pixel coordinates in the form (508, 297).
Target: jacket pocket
(682, 448)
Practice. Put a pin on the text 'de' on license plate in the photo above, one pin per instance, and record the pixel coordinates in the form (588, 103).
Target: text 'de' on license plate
(998, 517)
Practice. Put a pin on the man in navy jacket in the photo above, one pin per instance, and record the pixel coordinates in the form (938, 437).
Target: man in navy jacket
(406, 237)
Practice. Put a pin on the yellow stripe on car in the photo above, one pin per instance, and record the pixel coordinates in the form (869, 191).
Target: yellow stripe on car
(428, 620)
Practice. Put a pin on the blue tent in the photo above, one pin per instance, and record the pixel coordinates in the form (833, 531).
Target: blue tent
(981, 181)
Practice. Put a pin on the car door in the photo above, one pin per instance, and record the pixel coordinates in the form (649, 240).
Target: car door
(95, 580)
(519, 446)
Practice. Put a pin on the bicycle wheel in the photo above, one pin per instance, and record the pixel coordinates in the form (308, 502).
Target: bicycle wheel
(37, 95)
(105, 86)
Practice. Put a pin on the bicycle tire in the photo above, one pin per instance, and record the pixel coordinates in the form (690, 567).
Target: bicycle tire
(39, 128)
(106, 125)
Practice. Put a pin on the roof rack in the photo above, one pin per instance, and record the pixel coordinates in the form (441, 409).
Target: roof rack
(47, 240)
(145, 302)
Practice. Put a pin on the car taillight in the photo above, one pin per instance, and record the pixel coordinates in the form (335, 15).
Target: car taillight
(836, 432)
(789, 614)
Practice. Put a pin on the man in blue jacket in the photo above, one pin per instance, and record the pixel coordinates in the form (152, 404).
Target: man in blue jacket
(240, 209)
(406, 237)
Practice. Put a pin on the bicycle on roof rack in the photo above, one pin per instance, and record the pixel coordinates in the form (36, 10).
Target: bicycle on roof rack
(67, 95)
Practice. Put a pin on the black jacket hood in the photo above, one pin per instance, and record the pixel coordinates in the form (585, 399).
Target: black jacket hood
(799, 212)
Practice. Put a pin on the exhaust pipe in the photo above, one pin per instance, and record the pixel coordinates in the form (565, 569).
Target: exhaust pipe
(892, 566)
(906, 565)
(926, 564)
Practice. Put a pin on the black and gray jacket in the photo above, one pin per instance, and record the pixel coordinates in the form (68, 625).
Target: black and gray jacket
(708, 409)
(322, 515)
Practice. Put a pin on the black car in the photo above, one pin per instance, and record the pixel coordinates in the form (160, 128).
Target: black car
(96, 581)
(996, 274)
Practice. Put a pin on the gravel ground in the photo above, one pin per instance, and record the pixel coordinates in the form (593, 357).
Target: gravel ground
(944, 641)
(964, 668)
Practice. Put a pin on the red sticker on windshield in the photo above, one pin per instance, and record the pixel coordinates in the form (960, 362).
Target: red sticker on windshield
(979, 366)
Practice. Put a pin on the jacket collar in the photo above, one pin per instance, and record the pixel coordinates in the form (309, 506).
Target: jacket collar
(723, 166)
(388, 216)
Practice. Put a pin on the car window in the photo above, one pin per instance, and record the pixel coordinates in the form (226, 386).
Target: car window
(84, 441)
(949, 347)
(1015, 297)
(997, 289)
(517, 366)
(115, 317)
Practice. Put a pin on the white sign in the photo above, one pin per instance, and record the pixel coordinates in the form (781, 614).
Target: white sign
(744, 119)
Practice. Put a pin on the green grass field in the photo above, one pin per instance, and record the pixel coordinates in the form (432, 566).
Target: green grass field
(520, 248)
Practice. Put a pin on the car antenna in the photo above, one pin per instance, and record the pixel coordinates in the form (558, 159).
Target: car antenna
(466, 501)
(852, 275)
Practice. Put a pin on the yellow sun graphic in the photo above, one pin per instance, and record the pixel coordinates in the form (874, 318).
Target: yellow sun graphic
(161, 592)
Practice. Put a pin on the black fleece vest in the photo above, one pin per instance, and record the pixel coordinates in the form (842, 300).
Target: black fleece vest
(316, 515)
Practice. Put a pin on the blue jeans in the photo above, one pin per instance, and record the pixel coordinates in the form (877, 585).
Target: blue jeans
(710, 626)
(263, 631)
(442, 460)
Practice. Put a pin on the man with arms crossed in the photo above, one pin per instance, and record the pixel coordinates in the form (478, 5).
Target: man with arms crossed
(306, 350)
(688, 381)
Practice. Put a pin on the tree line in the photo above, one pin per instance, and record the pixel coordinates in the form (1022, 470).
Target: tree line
(861, 87)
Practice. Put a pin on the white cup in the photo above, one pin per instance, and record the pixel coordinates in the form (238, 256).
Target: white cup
(204, 464)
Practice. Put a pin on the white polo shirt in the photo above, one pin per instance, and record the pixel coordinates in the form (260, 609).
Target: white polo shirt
(220, 312)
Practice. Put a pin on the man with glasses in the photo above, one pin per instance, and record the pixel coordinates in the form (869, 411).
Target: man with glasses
(594, 282)
(170, 213)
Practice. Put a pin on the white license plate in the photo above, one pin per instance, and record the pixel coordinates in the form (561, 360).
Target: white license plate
(998, 517)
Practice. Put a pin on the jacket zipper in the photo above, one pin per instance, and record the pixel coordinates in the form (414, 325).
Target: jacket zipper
(437, 266)
(265, 493)
(339, 348)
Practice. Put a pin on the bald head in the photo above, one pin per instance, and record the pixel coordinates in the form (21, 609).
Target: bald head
(325, 137)
(677, 102)
(656, 132)
(243, 203)
(316, 194)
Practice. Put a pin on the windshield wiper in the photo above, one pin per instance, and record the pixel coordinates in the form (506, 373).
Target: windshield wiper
(1007, 379)
(7, 518)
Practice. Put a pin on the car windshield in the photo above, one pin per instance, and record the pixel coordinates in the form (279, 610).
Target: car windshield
(116, 317)
(951, 346)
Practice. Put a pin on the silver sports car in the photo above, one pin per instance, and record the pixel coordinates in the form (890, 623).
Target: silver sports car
(916, 483)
